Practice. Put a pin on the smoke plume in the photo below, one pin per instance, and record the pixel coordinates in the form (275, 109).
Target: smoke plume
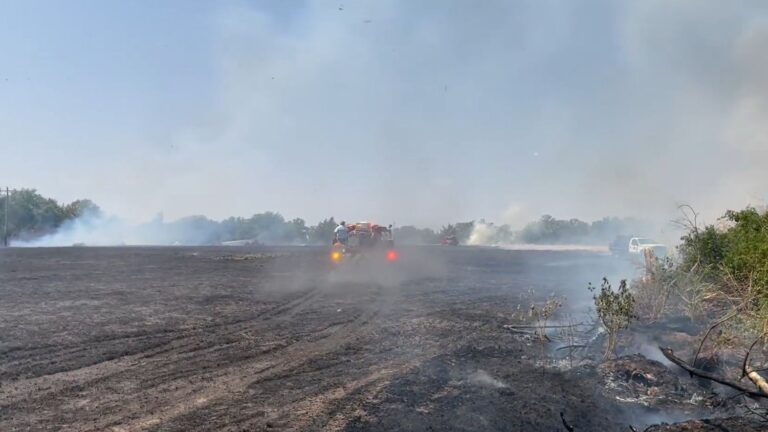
(417, 113)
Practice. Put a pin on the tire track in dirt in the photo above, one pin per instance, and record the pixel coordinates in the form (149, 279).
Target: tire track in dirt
(68, 352)
(49, 388)
(332, 410)
(151, 343)
(234, 381)
(181, 388)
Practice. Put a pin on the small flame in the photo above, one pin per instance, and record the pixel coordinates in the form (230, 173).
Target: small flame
(336, 256)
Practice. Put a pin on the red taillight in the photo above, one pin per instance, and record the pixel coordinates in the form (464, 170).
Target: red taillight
(392, 256)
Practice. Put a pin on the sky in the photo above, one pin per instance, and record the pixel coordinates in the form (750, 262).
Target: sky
(409, 112)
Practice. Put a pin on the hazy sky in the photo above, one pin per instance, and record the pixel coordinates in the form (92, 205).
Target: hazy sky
(417, 112)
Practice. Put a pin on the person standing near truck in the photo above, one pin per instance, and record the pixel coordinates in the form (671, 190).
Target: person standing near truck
(341, 233)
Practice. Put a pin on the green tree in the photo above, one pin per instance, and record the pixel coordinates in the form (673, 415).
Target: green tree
(322, 233)
(746, 251)
(447, 230)
(297, 231)
(268, 227)
(703, 251)
(80, 208)
(31, 215)
(409, 234)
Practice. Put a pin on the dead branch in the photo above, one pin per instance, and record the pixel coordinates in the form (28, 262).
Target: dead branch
(670, 355)
(571, 347)
(520, 331)
(568, 427)
(689, 219)
(753, 412)
(746, 370)
(745, 365)
(514, 326)
(727, 317)
(756, 379)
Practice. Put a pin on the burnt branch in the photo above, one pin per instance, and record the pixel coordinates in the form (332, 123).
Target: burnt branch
(701, 345)
(745, 365)
(670, 355)
(553, 326)
(746, 369)
(568, 427)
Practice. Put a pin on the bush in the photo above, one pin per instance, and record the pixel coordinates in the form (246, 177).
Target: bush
(733, 262)
(652, 292)
(616, 310)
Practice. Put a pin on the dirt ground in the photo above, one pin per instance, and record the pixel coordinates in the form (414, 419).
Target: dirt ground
(241, 339)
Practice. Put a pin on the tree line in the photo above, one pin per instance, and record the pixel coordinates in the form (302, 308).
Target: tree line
(29, 215)
(546, 230)
(32, 216)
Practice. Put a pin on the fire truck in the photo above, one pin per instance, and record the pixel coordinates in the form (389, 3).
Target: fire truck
(366, 240)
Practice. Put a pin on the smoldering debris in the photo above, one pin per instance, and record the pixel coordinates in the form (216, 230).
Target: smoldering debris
(483, 379)
(636, 379)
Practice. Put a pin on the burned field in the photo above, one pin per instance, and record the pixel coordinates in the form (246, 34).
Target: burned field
(130, 339)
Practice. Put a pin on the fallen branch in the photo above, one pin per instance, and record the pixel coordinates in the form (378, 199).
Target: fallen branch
(670, 355)
(756, 379)
(568, 427)
(520, 331)
(526, 326)
(746, 359)
(571, 347)
(701, 345)
(747, 371)
(753, 412)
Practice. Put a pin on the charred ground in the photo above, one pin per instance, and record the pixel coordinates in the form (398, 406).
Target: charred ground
(271, 339)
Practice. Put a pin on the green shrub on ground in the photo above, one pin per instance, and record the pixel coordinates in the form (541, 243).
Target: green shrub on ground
(732, 262)
(615, 309)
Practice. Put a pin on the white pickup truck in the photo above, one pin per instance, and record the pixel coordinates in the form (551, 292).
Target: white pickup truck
(625, 245)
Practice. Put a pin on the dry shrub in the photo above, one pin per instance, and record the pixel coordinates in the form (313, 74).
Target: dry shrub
(542, 313)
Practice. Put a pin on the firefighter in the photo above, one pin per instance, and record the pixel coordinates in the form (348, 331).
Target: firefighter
(341, 234)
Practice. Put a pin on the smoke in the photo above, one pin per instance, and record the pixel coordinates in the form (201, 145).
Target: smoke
(89, 229)
(564, 234)
(99, 230)
(615, 109)
(483, 379)
(693, 99)
(482, 234)
(418, 113)
(96, 229)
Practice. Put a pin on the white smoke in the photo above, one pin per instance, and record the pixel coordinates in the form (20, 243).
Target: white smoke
(99, 230)
(484, 379)
(482, 234)
(578, 110)
(91, 230)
